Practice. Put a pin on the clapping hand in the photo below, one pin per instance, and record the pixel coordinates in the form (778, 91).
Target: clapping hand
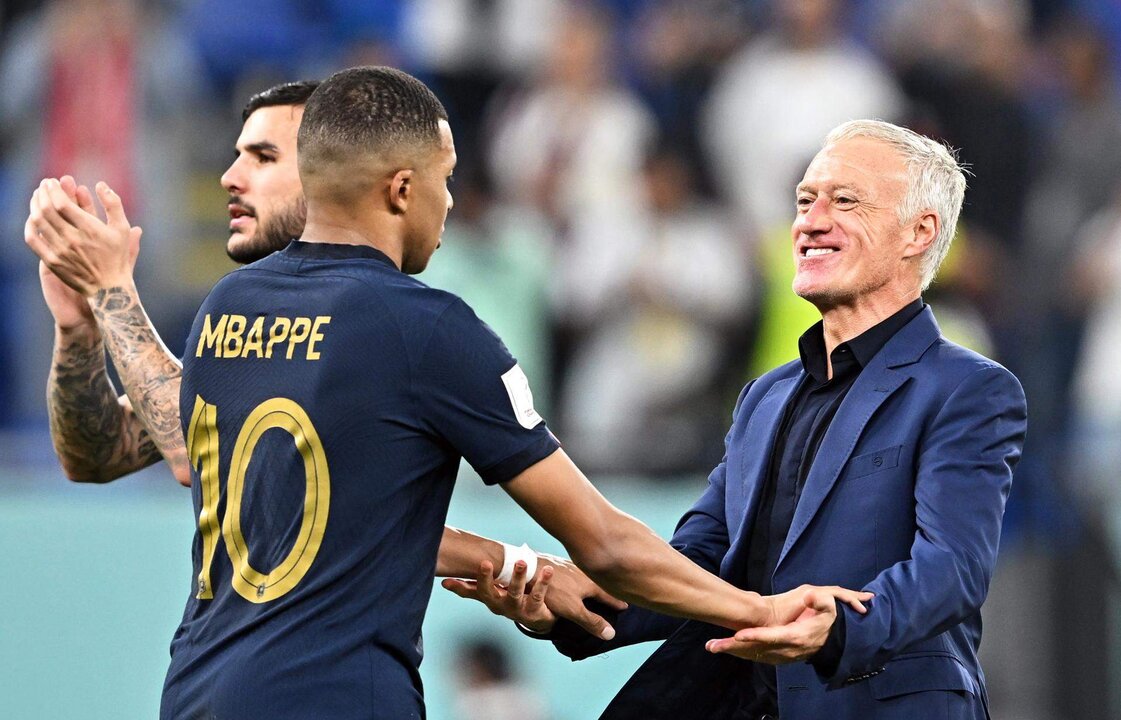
(85, 252)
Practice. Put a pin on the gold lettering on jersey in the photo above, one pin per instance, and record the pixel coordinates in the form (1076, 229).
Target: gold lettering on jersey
(232, 336)
(301, 328)
(211, 336)
(316, 336)
(278, 333)
(231, 344)
(254, 337)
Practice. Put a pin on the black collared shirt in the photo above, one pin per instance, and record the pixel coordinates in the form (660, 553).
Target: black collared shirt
(804, 424)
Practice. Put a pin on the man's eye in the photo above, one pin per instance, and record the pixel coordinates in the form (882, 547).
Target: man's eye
(267, 158)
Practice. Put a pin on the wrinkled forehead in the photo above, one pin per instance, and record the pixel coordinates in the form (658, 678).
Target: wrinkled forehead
(864, 163)
(275, 125)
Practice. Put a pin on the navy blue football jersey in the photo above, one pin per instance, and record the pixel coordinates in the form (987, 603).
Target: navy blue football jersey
(327, 400)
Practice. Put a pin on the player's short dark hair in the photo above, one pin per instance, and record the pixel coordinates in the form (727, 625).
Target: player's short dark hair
(290, 93)
(367, 110)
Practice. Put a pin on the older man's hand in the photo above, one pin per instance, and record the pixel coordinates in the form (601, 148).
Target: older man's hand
(802, 619)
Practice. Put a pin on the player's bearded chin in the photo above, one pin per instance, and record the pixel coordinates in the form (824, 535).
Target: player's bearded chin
(272, 235)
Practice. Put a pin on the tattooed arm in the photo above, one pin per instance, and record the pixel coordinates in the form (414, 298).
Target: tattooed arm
(98, 436)
(149, 372)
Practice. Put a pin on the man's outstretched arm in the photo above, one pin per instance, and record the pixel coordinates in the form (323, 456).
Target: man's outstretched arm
(95, 260)
(631, 562)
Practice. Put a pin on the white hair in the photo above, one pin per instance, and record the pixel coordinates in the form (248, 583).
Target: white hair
(935, 181)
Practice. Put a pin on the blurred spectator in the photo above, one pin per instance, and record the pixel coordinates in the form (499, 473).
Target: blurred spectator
(660, 297)
(504, 37)
(779, 96)
(1080, 169)
(570, 146)
(1084, 457)
(679, 46)
(467, 49)
(961, 64)
(103, 90)
(488, 689)
(1096, 286)
(572, 142)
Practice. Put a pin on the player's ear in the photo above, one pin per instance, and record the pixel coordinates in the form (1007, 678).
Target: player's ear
(400, 191)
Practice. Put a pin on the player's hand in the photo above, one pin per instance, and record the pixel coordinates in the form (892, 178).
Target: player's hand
(563, 597)
(811, 612)
(86, 253)
(791, 605)
(68, 307)
(516, 602)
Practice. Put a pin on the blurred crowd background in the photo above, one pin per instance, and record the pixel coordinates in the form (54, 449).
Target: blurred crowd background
(623, 202)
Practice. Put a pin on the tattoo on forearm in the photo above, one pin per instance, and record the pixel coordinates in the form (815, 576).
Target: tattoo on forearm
(94, 437)
(150, 374)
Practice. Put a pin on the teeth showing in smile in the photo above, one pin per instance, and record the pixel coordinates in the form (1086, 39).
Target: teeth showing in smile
(814, 252)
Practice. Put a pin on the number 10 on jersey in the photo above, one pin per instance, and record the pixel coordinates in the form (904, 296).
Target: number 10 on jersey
(202, 450)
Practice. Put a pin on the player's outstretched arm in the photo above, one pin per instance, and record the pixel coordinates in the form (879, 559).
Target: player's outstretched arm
(630, 561)
(95, 259)
(554, 588)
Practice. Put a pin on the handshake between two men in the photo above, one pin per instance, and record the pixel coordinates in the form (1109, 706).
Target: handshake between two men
(797, 627)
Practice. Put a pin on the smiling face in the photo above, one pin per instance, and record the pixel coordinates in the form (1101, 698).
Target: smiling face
(429, 203)
(850, 248)
(266, 203)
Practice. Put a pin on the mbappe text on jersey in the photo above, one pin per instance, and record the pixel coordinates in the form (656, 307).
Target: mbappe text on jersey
(233, 336)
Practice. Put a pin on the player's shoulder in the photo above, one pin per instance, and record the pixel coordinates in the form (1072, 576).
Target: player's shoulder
(423, 302)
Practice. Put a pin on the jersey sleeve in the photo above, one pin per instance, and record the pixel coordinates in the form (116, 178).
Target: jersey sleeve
(472, 393)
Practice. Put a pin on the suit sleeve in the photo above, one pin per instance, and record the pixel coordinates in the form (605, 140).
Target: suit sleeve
(963, 478)
(701, 535)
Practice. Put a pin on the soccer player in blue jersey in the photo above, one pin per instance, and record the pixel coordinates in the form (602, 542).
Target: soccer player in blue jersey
(327, 398)
(100, 437)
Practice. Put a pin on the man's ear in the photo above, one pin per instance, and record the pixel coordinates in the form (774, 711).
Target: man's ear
(400, 191)
(925, 232)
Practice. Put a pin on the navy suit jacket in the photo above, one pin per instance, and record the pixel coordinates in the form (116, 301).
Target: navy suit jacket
(905, 499)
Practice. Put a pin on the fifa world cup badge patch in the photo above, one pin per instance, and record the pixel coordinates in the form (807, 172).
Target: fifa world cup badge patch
(521, 397)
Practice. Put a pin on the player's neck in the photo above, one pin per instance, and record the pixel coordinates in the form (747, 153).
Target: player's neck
(325, 228)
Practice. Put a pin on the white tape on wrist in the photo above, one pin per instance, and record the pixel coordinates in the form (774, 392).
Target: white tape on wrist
(514, 553)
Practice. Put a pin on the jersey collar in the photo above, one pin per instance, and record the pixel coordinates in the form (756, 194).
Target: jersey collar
(335, 251)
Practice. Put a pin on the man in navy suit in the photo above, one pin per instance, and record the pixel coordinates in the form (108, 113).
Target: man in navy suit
(881, 459)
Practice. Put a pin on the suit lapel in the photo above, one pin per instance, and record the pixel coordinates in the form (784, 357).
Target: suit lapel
(761, 428)
(876, 384)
